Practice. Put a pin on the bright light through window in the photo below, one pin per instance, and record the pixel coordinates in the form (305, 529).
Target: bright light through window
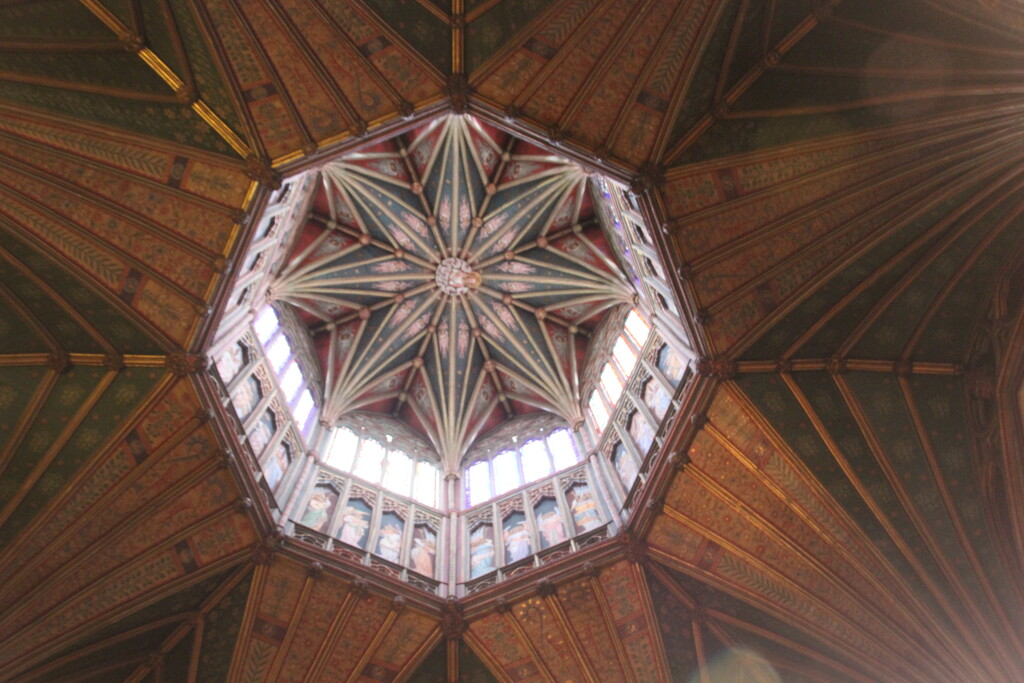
(343, 449)
(266, 325)
(379, 464)
(479, 483)
(599, 411)
(536, 464)
(637, 328)
(538, 458)
(611, 384)
(425, 486)
(279, 352)
(624, 356)
(369, 466)
(506, 472)
(562, 449)
(303, 409)
(398, 475)
(291, 381)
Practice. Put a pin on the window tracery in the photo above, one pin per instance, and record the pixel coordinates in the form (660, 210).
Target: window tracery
(522, 462)
(384, 465)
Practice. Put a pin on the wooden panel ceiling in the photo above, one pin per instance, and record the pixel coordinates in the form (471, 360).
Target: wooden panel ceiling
(841, 183)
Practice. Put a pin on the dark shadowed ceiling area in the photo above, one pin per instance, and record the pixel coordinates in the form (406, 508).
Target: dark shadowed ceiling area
(839, 185)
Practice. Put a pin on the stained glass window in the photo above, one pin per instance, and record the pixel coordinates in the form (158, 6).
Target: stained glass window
(618, 369)
(523, 463)
(291, 381)
(266, 324)
(536, 463)
(383, 465)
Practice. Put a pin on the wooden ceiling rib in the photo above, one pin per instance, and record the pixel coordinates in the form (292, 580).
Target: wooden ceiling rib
(841, 190)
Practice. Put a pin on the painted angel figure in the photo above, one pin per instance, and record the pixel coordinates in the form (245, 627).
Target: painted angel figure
(423, 551)
(315, 516)
(390, 544)
(551, 527)
(481, 556)
(354, 525)
(584, 511)
(517, 542)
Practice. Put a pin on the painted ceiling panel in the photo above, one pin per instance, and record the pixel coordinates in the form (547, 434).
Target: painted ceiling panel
(66, 61)
(740, 220)
(608, 76)
(435, 667)
(456, 273)
(118, 403)
(496, 642)
(46, 430)
(727, 635)
(20, 329)
(126, 480)
(921, 522)
(152, 244)
(423, 25)
(308, 72)
(77, 554)
(130, 639)
(890, 68)
(300, 624)
(172, 564)
(842, 181)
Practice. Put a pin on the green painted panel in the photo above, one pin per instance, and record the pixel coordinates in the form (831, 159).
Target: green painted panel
(112, 323)
(159, 35)
(121, 70)
(673, 620)
(737, 136)
(889, 334)
(115, 673)
(885, 407)
(749, 48)
(210, 85)
(434, 668)
(428, 34)
(825, 343)
(713, 599)
(17, 384)
(220, 632)
(67, 396)
(490, 32)
(142, 644)
(944, 410)
(928, 19)
(117, 403)
(771, 396)
(700, 94)
(172, 122)
(948, 333)
(17, 337)
(182, 602)
(471, 668)
(52, 20)
(122, 9)
(177, 661)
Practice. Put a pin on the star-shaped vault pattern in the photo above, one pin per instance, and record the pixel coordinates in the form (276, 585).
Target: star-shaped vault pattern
(452, 277)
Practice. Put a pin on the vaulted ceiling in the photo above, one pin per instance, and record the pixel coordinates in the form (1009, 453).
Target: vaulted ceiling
(454, 277)
(841, 187)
